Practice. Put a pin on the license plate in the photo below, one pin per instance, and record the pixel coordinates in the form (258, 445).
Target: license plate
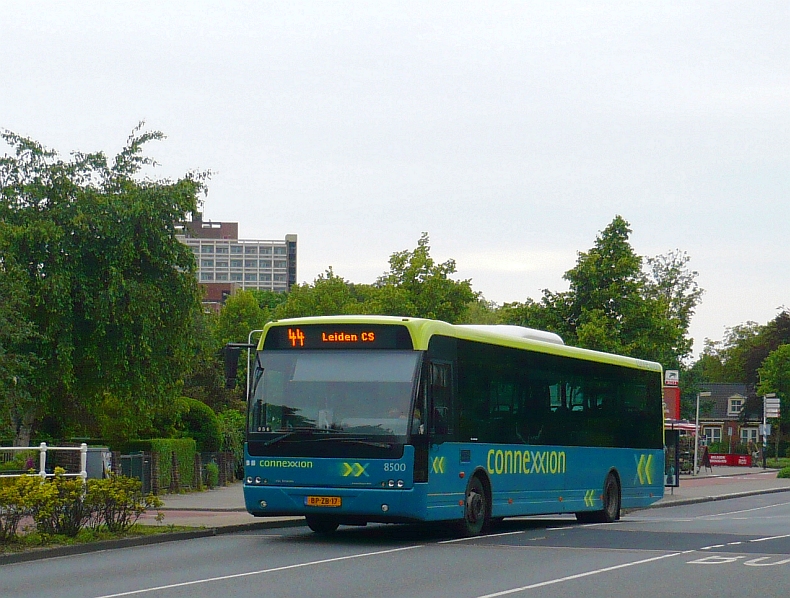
(323, 501)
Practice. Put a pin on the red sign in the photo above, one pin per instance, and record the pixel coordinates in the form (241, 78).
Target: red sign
(731, 460)
(671, 402)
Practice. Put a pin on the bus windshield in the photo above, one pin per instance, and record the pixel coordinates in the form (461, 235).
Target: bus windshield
(346, 392)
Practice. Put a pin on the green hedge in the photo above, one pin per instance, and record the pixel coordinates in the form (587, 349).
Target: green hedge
(184, 449)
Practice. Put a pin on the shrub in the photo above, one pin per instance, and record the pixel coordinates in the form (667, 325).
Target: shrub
(184, 450)
(59, 507)
(784, 473)
(199, 421)
(212, 475)
(13, 508)
(118, 502)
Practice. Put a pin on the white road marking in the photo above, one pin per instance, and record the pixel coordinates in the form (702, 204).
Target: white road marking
(582, 575)
(479, 537)
(260, 572)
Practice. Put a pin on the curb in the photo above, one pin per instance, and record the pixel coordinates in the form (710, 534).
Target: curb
(701, 499)
(59, 551)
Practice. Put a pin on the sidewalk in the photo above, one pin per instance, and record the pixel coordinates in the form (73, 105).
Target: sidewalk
(721, 483)
(224, 507)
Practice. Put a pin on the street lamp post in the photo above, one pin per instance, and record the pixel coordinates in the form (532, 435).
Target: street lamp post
(705, 393)
(249, 342)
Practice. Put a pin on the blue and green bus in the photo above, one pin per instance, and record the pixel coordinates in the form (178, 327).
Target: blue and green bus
(357, 419)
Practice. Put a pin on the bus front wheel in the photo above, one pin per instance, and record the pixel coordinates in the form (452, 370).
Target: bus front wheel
(476, 510)
(322, 525)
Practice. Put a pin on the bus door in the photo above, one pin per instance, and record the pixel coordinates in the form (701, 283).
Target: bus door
(433, 420)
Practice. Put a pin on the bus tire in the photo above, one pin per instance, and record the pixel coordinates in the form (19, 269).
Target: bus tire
(476, 509)
(611, 504)
(322, 524)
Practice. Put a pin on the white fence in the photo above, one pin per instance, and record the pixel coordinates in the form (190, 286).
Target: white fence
(43, 449)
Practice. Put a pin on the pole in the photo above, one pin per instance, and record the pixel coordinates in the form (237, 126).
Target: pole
(249, 342)
(765, 436)
(695, 470)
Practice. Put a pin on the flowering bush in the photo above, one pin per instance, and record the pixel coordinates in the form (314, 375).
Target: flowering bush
(118, 502)
(63, 505)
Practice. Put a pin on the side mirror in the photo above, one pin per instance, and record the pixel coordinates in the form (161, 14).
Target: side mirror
(230, 354)
(231, 357)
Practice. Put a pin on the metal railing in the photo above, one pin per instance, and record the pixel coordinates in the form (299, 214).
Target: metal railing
(43, 449)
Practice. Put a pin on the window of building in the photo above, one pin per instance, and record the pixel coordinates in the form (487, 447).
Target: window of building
(251, 249)
(222, 263)
(266, 263)
(266, 277)
(195, 248)
(250, 277)
(279, 251)
(206, 276)
(206, 263)
(712, 435)
(280, 263)
(236, 249)
(236, 263)
(250, 263)
(734, 405)
(749, 434)
(222, 276)
(266, 250)
(279, 278)
(222, 249)
(206, 249)
(235, 275)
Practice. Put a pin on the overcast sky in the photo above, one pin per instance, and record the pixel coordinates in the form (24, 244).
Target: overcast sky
(511, 132)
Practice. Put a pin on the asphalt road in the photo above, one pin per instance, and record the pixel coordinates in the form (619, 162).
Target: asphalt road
(725, 548)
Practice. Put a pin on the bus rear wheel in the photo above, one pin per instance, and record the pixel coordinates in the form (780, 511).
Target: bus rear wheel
(611, 504)
(476, 511)
(322, 524)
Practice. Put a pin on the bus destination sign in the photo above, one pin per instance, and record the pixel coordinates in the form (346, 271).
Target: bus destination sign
(340, 336)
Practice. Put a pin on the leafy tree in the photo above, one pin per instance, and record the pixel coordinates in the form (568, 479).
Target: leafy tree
(775, 378)
(739, 356)
(108, 288)
(613, 306)
(329, 295)
(417, 286)
(268, 301)
(199, 422)
(17, 363)
(240, 314)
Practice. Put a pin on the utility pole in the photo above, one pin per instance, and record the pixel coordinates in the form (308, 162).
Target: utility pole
(705, 393)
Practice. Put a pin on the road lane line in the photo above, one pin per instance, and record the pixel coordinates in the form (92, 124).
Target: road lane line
(260, 572)
(771, 538)
(480, 537)
(784, 504)
(551, 582)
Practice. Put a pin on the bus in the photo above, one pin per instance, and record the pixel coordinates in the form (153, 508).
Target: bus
(358, 419)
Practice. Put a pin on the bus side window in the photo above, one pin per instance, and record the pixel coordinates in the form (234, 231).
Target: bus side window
(441, 395)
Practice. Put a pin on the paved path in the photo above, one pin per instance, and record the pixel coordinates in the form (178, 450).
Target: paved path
(224, 507)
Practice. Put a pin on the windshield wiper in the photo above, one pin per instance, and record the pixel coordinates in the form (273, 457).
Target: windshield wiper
(284, 436)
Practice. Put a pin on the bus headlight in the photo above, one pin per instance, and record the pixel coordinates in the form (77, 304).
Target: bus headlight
(249, 480)
(400, 483)
(391, 483)
(257, 480)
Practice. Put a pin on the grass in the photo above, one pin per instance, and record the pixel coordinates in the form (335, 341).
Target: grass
(35, 541)
(781, 463)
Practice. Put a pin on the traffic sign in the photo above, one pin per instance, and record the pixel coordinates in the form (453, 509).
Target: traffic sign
(772, 406)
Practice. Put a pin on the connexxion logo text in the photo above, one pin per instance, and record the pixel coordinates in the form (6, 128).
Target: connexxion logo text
(526, 462)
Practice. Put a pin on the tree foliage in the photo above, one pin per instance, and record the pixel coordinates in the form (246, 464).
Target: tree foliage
(417, 286)
(739, 356)
(613, 305)
(108, 289)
